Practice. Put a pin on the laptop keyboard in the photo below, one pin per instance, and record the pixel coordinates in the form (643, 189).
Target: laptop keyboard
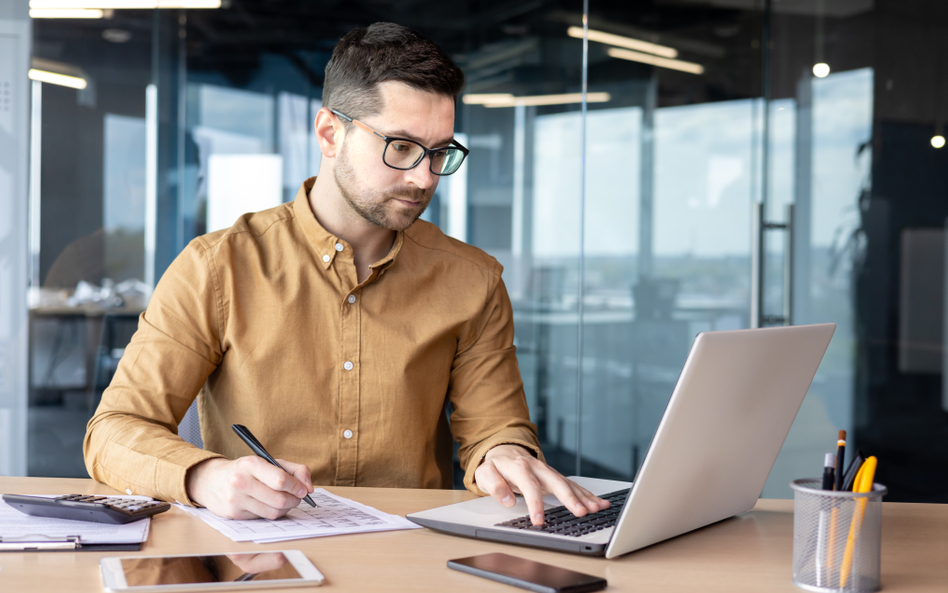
(560, 521)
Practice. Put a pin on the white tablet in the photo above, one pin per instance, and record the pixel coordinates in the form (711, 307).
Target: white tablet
(209, 572)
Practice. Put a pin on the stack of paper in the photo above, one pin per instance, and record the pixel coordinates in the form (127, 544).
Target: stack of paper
(333, 515)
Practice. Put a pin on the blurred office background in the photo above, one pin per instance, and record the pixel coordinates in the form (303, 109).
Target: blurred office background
(674, 166)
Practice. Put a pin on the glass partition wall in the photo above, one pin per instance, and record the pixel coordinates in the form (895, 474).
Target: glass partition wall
(88, 195)
(644, 172)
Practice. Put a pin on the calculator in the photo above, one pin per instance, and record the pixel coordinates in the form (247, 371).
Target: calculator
(82, 507)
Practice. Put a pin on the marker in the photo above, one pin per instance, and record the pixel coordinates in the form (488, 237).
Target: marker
(863, 484)
(840, 459)
(257, 448)
(829, 471)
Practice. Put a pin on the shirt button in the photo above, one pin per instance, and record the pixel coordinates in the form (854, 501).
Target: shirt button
(347, 366)
(351, 299)
(339, 247)
(347, 434)
(326, 258)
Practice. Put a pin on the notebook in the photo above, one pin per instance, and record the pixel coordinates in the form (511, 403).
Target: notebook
(727, 418)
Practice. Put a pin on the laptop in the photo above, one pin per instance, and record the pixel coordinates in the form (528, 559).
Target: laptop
(724, 425)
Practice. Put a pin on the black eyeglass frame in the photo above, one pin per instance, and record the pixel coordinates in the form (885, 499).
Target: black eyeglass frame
(427, 151)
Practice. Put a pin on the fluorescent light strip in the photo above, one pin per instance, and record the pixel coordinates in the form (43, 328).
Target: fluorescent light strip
(123, 4)
(627, 42)
(66, 13)
(634, 56)
(506, 100)
(189, 3)
(481, 99)
(61, 79)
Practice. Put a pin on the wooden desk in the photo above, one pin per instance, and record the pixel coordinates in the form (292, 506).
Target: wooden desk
(751, 552)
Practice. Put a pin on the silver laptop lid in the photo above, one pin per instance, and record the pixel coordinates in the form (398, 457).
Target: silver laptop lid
(730, 413)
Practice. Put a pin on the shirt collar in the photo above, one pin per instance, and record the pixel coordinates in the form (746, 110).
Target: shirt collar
(324, 242)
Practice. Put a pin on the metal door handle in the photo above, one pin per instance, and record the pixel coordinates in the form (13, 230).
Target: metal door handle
(758, 318)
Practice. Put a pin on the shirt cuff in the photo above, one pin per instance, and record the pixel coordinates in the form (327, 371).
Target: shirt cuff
(478, 457)
(172, 472)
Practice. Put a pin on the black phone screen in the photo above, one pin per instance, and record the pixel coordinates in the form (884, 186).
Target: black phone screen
(528, 574)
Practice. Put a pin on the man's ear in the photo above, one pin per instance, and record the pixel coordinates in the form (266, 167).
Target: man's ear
(329, 132)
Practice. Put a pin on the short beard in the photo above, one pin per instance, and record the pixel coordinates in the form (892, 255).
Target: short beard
(374, 210)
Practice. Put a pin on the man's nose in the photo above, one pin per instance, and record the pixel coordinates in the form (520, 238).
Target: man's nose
(421, 176)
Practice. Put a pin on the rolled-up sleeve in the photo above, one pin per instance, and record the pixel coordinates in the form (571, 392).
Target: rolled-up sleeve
(131, 442)
(489, 405)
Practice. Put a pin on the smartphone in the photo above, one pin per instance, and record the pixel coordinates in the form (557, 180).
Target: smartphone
(528, 574)
(209, 572)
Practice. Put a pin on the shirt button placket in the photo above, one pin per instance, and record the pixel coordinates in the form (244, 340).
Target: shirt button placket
(350, 388)
(350, 392)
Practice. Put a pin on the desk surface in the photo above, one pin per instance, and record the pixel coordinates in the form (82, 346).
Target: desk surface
(751, 552)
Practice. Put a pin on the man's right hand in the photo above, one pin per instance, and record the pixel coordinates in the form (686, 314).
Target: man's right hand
(248, 487)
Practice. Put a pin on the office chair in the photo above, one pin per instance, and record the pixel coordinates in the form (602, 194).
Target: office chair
(190, 427)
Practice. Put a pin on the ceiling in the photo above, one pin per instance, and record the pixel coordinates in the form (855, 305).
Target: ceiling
(521, 46)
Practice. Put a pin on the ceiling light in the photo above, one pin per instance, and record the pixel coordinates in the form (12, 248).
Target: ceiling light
(938, 141)
(75, 82)
(66, 13)
(821, 70)
(116, 35)
(483, 98)
(508, 100)
(127, 4)
(634, 56)
(91, 4)
(189, 3)
(627, 42)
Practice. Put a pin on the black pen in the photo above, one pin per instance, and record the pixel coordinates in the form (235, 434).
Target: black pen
(257, 448)
(850, 476)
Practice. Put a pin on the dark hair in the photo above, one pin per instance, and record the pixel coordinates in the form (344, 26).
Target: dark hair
(385, 51)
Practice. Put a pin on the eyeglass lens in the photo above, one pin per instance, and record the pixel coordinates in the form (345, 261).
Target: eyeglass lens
(405, 154)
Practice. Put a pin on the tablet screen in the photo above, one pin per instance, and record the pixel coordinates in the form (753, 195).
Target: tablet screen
(186, 570)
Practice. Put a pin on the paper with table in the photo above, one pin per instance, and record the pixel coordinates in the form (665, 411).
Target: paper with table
(20, 529)
(334, 515)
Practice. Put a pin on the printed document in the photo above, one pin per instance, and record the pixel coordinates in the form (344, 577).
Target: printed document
(333, 515)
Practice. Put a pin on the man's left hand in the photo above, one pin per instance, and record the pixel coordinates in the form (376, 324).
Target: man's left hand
(511, 468)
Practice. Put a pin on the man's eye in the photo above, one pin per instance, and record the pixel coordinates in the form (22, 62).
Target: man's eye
(402, 147)
(439, 154)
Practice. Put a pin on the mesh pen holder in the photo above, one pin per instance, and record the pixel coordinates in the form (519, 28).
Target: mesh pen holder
(824, 522)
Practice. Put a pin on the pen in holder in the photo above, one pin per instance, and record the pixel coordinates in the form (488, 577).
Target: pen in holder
(837, 538)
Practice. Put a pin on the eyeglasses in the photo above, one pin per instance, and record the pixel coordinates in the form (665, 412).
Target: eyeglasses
(404, 154)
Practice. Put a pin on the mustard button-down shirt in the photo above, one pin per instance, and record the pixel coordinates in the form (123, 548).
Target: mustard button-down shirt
(267, 324)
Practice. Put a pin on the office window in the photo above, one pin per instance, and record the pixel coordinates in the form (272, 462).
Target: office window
(625, 220)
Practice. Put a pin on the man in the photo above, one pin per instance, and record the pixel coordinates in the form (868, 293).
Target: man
(335, 327)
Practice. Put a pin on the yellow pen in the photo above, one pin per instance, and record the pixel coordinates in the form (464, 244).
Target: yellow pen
(862, 484)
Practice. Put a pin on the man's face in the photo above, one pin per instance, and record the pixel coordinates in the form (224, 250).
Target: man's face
(387, 197)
